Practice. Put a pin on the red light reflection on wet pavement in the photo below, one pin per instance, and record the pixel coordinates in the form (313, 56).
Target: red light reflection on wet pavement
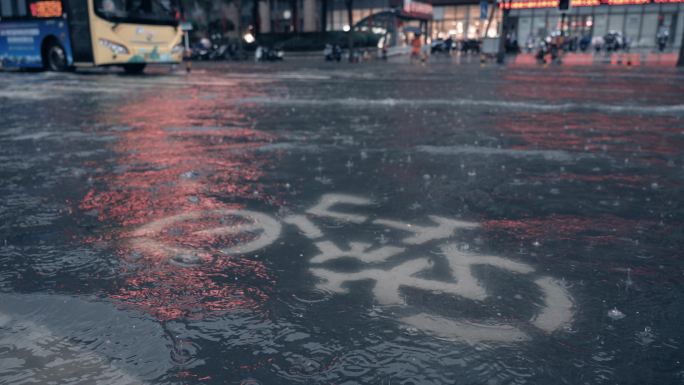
(647, 136)
(594, 133)
(628, 141)
(172, 161)
(603, 229)
(563, 84)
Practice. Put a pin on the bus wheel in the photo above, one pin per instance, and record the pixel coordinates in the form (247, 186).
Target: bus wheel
(56, 58)
(134, 69)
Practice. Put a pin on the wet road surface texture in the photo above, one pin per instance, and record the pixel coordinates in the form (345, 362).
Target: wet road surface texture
(335, 224)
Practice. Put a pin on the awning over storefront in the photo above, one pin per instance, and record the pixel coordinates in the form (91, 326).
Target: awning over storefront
(526, 4)
(380, 18)
(392, 25)
(417, 10)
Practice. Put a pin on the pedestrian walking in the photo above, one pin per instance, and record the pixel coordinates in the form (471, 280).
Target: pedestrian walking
(416, 47)
(449, 45)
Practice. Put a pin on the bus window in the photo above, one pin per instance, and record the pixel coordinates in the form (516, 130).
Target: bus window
(6, 8)
(112, 8)
(137, 11)
(21, 8)
(13, 8)
(139, 6)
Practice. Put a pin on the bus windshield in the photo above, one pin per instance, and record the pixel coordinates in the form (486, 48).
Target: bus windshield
(138, 11)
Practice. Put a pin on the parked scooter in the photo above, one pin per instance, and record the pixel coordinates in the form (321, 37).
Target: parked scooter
(548, 47)
(585, 43)
(332, 52)
(613, 41)
(218, 48)
(268, 54)
(442, 46)
(201, 50)
(470, 45)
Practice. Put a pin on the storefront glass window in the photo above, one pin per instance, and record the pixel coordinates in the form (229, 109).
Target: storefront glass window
(438, 13)
(450, 12)
(461, 13)
(649, 29)
(632, 27)
(539, 24)
(461, 22)
(638, 24)
(616, 21)
(553, 24)
(474, 28)
(600, 22)
(524, 27)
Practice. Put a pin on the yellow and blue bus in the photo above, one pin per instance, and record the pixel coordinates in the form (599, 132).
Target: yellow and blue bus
(59, 35)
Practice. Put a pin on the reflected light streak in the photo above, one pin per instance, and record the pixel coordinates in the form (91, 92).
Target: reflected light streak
(642, 137)
(597, 230)
(170, 162)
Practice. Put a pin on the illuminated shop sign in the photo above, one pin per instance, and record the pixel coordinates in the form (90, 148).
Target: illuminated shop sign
(416, 7)
(628, 2)
(585, 3)
(45, 9)
(526, 4)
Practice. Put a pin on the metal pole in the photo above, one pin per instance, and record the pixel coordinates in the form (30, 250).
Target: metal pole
(324, 16)
(680, 61)
(482, 40)
(491, 16)
(562, 26)
(501, 55)
(256, 22)
(350, 37)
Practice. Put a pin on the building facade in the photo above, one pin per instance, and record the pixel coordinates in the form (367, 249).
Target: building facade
(462, 19)
(465, 19)
(639, 22)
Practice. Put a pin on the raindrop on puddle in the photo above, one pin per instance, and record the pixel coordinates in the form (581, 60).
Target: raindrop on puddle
(615, 314)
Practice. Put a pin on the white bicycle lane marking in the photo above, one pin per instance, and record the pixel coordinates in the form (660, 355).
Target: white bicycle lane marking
(262, 230)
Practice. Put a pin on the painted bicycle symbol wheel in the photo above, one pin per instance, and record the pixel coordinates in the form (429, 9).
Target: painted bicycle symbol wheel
(182, 237)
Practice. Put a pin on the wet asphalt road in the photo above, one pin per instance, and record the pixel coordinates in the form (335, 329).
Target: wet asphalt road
(378, 223)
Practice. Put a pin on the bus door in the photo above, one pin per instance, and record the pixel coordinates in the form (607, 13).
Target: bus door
(79, 30)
